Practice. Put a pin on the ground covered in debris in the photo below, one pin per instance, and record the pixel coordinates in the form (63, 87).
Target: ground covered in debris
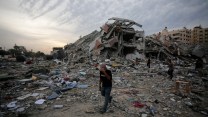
(51, 89)
(69, 88)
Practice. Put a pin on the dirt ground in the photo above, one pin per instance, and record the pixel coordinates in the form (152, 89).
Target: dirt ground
(144, 89)
(150, 89)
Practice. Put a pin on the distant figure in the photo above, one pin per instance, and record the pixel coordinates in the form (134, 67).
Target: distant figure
(105, 86)
(137, 61)
(148, 62)
(170, 68)
(199, 64)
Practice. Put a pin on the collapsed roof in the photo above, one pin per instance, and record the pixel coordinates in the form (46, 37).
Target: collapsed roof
(118, 39)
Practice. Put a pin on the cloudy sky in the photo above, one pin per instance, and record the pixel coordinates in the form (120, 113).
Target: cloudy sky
(42, 24)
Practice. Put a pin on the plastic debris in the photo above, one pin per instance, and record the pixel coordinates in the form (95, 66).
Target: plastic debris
(40, 101)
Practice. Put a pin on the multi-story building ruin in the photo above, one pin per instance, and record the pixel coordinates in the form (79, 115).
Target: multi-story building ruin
(200, 35)
(182, 35)
(119, 39)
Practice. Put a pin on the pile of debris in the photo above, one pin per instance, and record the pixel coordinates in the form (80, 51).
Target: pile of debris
(40, 89)
(117, 39)
(54, 88)
(78, 51)
(163, 46)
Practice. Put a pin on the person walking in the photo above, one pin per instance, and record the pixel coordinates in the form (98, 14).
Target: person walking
(148, 62)
(105, 86)
(170, 68)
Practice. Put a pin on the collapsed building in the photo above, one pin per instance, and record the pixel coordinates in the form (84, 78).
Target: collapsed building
(78, 51)
(163, 45)
(118, 39)
(159, 50)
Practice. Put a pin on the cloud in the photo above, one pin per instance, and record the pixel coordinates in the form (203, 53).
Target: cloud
(91, 14)
(8, 37)
(35, 41)
(38, 8)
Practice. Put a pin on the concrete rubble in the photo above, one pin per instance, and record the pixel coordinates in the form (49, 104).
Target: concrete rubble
(70, 87)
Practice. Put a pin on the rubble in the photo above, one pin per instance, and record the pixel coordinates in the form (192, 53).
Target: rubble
(70, 87)
(119, 39)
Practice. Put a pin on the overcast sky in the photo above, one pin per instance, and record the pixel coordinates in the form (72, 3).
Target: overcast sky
(43, 24)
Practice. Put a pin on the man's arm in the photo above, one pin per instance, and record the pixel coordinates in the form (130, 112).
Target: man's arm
(107, 76)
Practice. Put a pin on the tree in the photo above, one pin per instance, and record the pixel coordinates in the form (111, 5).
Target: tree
(13, 52)
(39, 54)
(30, 54)
(3, 52)
(20, 50)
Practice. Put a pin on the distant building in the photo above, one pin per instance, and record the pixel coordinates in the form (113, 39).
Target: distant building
(181, 35)
(56, 49)
(200, 35)
(197, 35)
(57, 53)
(165, 32)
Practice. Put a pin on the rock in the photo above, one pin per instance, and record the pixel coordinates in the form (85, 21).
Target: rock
(144, 115)
(165, 109)
(41, 107)
(172, 99)
(58, 106)
(90, 111)
(20, 109)
(203, 112)
(177, 112)
(12, 104)
(189, 104)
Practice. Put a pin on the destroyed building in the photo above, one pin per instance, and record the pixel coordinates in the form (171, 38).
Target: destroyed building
(118, 39)
(79, 51)
(164, 45)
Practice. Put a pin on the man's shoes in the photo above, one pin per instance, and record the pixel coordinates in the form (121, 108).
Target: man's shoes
(110, 99)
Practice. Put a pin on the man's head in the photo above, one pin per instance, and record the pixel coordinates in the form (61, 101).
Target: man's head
(103, 66)
(169, 60)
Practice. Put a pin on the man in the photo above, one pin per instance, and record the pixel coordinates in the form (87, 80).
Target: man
(199, 66)
(171, 68)
(148, 62)
(105, 86)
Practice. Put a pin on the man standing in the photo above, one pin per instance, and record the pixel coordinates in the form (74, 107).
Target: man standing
(148, 64)
(105, 86)
(199, 66)
(170, 68)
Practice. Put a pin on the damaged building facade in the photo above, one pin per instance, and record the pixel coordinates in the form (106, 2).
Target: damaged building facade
(174, 45)
(119, 39)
